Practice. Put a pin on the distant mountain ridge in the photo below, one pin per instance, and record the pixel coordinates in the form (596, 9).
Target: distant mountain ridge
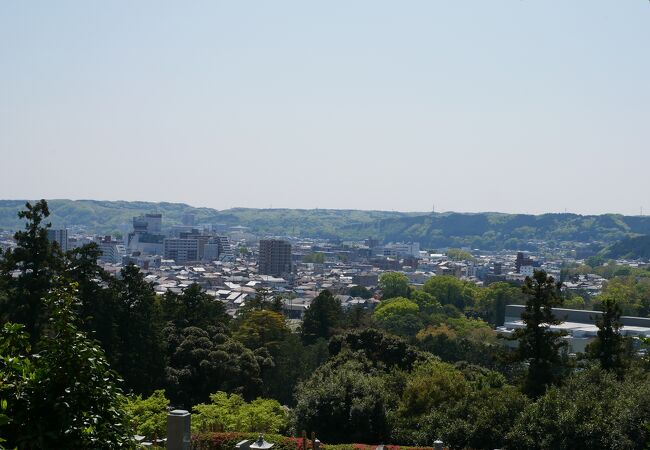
(474, 230)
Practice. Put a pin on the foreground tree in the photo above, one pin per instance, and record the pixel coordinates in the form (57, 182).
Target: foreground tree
(344, 401)
(540, 347)
(592, 409)
(37, 262)
(609, 348)
(66, 396)
(139, 356)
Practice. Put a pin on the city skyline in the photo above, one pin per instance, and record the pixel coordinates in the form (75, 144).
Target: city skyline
(508, 106)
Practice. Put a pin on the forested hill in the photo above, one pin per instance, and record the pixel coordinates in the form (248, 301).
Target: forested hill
(481, 230)
(633, 248)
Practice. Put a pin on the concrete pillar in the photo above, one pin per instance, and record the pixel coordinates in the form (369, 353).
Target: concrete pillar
(178, 430)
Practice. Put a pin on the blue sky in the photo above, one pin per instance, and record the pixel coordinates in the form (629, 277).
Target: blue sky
(500, 105)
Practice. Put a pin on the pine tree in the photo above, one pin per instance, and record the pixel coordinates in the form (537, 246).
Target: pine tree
(538, 345)
(27, 271)
(610, 346)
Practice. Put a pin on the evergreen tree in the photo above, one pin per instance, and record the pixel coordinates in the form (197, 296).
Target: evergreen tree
(36, 261)
(66, 396)
(538, 345)
(610, 346)
(322, 317)
(193, 308)
(139, 356)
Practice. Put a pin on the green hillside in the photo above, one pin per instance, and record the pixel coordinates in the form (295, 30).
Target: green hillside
(480, 230)
(631, 248)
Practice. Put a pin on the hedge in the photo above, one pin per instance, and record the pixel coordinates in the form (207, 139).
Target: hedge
(227, 441)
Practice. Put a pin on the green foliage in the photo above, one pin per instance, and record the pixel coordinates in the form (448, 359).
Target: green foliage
(360, 291)
(206, 361)
(456, 254)
(632, 294)
(431, 384)
(322, 317)
(148, 416)
(610, 348)
(193, 308)
(494, 298)
(394, 284)
(292, 363)
(466, 406)
(592, 409)
(37, 262)
(231, 413)
(539, 346)
(66, 396)
(398, 315)
(427, 303)
(344, 402)
(637, 247)
(317, 258)
(384, 350)
(261, 328)
(449, 290)
(227, 441)
(139, 356)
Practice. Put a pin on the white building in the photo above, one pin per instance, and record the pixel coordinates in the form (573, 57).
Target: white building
(181, 250)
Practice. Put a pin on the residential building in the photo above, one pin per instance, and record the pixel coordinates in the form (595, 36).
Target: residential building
(181, 250)
(274, 257)
(60, 237)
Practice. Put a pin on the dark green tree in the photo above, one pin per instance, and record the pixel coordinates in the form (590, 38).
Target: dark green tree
(205, 361)
(383, 349)
(140, 356)
(37, 262)
(359, 291)
(344, 401)
(592, 409)
(193, 307)
(66, 396)
(609, 347)
(538, 345)
(97, 308)
(322, 317)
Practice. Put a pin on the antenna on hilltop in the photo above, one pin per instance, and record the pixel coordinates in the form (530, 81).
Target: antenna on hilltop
(433, 208)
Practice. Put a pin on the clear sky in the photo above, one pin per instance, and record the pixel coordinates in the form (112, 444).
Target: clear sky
(474, 105)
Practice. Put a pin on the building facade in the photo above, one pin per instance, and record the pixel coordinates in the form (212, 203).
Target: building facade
(275, 257)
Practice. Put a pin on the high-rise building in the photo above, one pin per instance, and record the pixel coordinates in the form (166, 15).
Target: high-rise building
(181, 250)
(60, 237)
(275, 257)
(522, 261)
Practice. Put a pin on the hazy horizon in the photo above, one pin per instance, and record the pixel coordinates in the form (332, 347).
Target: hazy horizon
(508, 106)
(191, 205)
